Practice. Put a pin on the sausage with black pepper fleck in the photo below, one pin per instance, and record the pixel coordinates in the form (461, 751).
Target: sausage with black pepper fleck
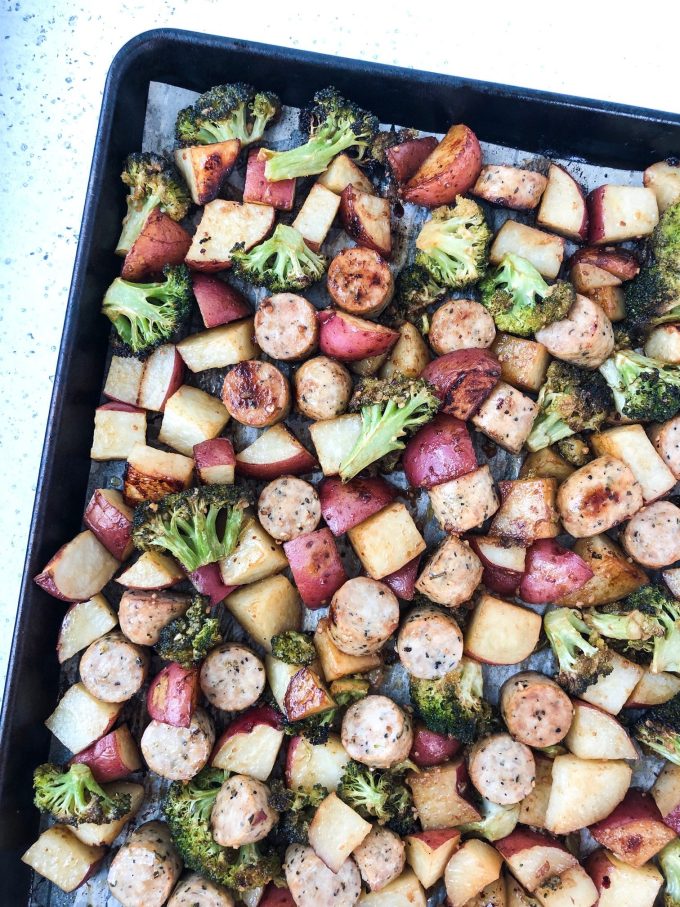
(113, 669)
(178, 753)
(377, 732)
(502, 769)
(146, 868)
(242, 814)
(312, 884)
(536, 709)
(232, 677)
(289, 507)
(430, 643)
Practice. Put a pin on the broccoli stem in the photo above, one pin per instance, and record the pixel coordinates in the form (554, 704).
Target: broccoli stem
(309, 159)
(134, 221)
(549, 428)
(137, 319)
(669, 860)
(634, 625)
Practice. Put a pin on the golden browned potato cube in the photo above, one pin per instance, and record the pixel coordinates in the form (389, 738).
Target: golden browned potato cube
(387, 540)
(337, 664)
(523, 362)
(527, 511)
(506, 416)
(266, 608)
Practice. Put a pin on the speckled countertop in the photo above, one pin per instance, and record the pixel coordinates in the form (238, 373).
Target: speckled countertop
(53, 61)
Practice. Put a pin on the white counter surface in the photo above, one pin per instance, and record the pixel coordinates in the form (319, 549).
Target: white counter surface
(53, 61)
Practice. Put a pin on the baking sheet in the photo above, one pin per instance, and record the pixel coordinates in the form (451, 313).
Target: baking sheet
(164, 101)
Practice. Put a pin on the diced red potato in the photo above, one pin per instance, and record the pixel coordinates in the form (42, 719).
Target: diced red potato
(430, 643)
(536, 710)
(346, 504)
(506, 416)
(152, 570)
(653, 689)
(614, 575)
(178, 753)
(82, 624)
(162, 376)
(80, 569)
(316, 216)
(142, 615)
(563, 206)
(222, 226)
(527, 511)
(403, 581)
(523, 362)
(442, 795)
(286, 327)
(250, 744)
(341, 172)
(150, 474)
(405, 158)
(59, 856)
(387, 540)
(366, 219)
(162, 241)
(585, 337)
(630, 444)
(451, 574)
(595, 734)
(611, 300)
(335, 831)
(316, 565)
(205, 167)
(499, 632)
(460, 324)
(470, 869)
(430, 748)
(274, 453)
(465, 502)
(612, 691)
(349, 338)
(218, 302)
(533, 858)
(117, 429)
(439, 452)
(79, 718)
(618, 213)
(260, 191)
(618, 883)
(597, 496)
(308, 764)
(587, 278)
(219, 347)
(545, 464)
(663, 178)
(123, 379)
(428, 852)
(450, 169)
(334, 440)
(634, 832)
(215, 461)
(360, 282)
(110, 519)
(380, 857)
(503, 562)
(312, 883)
(256, 393)
(664, 343)
(191, 416)
(510, 187)
(256, 557)
(544, 251)
(575, 889)
(652, 536)
(363, 615)
(288, 507)
(532, 809)
(232, 677)
(666, 794)
(377, 732)
(113, 669)
(463, 380)
(111, 758)
(552, 571)
(619, 264)
(173, 694)
(584, 791)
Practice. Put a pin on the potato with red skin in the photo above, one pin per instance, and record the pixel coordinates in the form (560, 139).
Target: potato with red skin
(366, 219)
(218, 302)
(403, 581)
(215, 461)
(173, 695)
(533, 857)
(503, 561)
(306, 696)
(405, 158)
(162, 242)
(635, 831)
(666, 793)
(316, 565)
(450, 170)
(80, 569)
(551, 571)
(205, 167)
(618, 213)
(346, 504)
(250, 743)
(109, 517)
(163, 376)
(620, 884)
(510, 187)
(261, 191)
(274, 453)
(430, 748)
(438, 452)
(111, 758)
(463, 380)
(256, 393)
(350, 339)
(617, 262)
(563, 206)
(276, 897)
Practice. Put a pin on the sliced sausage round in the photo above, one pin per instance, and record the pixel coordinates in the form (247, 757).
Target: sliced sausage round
(585, 337)
(142, 615)
(364, 613)
(502, 769)
(597, 496)
(242, 814)
(461, 324)
(666, 439)
(360, 281)
(430, 643)
(323, 388)
(146, 868)
(381, 857)
(312, 884)
(652, 537)
(256, 393)
(289, 507)
(113, 669)
(178, 753)
(535, 709)
(377, 732)
(196, 891)
(232, 677)
(452, 574)
(286, 327)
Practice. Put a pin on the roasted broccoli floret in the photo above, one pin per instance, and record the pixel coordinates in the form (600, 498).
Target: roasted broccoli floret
(316, 728)
(391, 409)
(644, 389)
(188, 639)
(572, 399)
(662, 611)
(630, 626)
(294, 648)
(387, 139)
(496, 822)
(197, 526)
(349, 689)
(574, 450)
(296, 810)
(669, 861)
(659, 729)
(282, 263)
(334, 124)
(73, 796)
(453, 705)
(232, 111)
(520, 301)
(379, 795)
(148, 314)
(415, 290)
(653, 297)
(453, 244)
(581, 654)
(256, 865)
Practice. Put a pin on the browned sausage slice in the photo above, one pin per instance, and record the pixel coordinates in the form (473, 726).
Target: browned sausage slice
(360, 281)
(502, 769)
(256, 393)
(286, 326)
(535, 709)
(322, 388)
